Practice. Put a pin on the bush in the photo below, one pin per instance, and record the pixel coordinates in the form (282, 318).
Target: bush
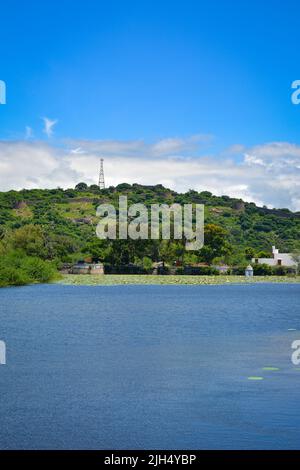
(147, 264)
(262, 270)
(282, 270)
(201, 271)
(10, 276)
(37, 269)
(180, 270)
(238, 270)
(17, 269)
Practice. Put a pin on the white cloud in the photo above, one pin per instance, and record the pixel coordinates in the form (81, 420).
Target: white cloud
(49, 125)
(279, 163)
(267, 174)
(27, 164)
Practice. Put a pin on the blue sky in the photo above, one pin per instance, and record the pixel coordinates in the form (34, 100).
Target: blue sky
(152, 71)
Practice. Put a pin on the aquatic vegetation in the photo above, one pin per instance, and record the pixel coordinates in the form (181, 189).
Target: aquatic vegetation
(117, 279)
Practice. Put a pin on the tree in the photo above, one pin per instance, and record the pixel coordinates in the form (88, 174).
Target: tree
(81, 187)
(264, 254)
(123, 187)
(147, 263)
(30, 239)
(167, 251)
(94, 187)
(249, 253)
(60, 246)
(215, 243)
(121, 252)
(99, 250)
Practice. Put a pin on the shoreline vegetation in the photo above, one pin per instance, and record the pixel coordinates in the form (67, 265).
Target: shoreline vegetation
(18, 269)
(131, 279)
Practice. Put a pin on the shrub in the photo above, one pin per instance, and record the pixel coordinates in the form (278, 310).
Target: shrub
(37, 269)
(262, 270)
(201, 271)
(282, 271)
(147, 264)
(17, 269)
(238, 270)
(10, 276)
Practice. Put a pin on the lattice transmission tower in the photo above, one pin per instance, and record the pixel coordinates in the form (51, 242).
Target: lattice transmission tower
(101, 175)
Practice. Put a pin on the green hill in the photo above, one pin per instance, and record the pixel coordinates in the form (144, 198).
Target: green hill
(59, 225)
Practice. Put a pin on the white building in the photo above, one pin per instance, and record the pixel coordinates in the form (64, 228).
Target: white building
(278, 259)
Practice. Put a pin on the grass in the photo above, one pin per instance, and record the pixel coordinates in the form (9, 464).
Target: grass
(116, 279)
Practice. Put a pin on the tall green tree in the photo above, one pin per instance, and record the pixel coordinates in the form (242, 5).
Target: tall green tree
(215, 243)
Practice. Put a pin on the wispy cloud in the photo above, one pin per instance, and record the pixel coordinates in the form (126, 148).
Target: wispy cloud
(28, 133)
(77, 151)
(49, 125)
(162, 147)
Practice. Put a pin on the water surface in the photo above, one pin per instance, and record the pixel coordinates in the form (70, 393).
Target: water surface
(149, 367)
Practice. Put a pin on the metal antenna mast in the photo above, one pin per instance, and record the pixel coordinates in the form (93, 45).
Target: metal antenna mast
(101, 175)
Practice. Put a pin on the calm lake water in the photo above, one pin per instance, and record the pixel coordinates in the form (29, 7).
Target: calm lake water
(149, 367)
